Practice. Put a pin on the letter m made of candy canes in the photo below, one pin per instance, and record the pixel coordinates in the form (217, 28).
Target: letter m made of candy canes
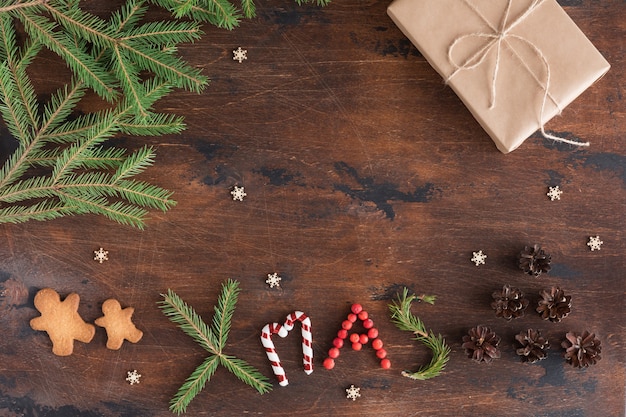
(283, 330)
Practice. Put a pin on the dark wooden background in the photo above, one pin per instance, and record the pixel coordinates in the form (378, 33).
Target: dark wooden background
(364, 174)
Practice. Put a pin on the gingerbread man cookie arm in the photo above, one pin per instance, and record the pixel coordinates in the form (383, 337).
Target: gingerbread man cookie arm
(85, 331)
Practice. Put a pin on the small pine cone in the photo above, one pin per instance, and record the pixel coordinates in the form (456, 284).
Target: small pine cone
(581, 350)
(534, 260)
(533, 346)
(509, 303)
(481, 344)
(554, 305)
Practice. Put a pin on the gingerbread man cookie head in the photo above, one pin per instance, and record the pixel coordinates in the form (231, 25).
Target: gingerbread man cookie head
(60, 319)
(118, 324)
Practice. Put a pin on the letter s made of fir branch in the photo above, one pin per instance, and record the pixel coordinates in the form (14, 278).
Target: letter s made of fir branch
(402, 317)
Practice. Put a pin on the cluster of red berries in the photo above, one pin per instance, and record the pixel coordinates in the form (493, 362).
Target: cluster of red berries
(357, 340)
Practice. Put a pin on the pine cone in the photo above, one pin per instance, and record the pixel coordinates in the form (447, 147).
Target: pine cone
(509, 303)
(554, 305)
(533, 346)
(581, 350)
(534, 260)
(481, 344)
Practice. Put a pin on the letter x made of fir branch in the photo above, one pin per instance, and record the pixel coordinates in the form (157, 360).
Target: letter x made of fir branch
(212, 339)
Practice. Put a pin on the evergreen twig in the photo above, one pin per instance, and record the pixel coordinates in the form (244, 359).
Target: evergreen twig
(404, 320)
(62, 164)
(213, 339)
(221, 13)
(71, 170)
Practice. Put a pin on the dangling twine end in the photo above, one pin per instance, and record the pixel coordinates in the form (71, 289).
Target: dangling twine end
(563, 140)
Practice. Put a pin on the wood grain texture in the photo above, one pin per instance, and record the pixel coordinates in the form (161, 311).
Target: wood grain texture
(364, 174)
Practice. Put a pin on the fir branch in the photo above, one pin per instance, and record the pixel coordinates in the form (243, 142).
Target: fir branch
(12, 108)
(198, 13)
(213, 340)
(248, 7)
(129, 15)
(60, 106)
(246, 373)
(21, 5)
(24, 87)
(224, 310)
(16, 165)
(77, 181)
(221, 13)
(124, 46)
(163, 33)
(155, 124)
(127, 60)
(189, 321)
(42, 211)
(98, 158)
(194, 384)
(117, 211)
(112, 195)
(90, 71)
(135, 164)
(318, 2)
(70, 159)
(402, 317)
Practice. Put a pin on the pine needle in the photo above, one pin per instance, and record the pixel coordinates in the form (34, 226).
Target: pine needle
(212, 339)
(402, 317)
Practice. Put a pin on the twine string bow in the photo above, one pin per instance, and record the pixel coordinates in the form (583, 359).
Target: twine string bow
(500, 37)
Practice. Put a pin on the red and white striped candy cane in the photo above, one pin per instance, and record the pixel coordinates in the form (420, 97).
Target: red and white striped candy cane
(283, 331)
(307, 337)
(270, 350)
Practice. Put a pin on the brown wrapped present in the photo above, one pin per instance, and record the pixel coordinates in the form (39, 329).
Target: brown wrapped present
(514, 63)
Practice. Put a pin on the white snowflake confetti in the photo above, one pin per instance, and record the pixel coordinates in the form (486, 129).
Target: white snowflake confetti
(479, 257)
(101, 255)
(238, 193)
(555, 193)
(353, 392)
(273, 280)
(594, 243)
(240, 54)
(133, 377)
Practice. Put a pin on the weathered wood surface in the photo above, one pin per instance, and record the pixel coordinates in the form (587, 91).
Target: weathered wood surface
(364, 174)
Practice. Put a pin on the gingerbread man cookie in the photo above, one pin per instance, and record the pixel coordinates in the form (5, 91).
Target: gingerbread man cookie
(118, 324)
(60, 319)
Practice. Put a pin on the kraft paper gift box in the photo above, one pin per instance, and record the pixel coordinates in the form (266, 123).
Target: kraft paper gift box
(515, 64)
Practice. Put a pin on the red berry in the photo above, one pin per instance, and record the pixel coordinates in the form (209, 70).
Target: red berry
(377, 344)
(342, 334)
(329, 363)
(333, 352)
(372, 333)
(363, 339)
(346, 324)
(356, 308)
(381, 353)
(385, 364)
(357, 346)
(368, 324)
(363, 315)
(354, 337)
(338, 342)
(352, 317)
